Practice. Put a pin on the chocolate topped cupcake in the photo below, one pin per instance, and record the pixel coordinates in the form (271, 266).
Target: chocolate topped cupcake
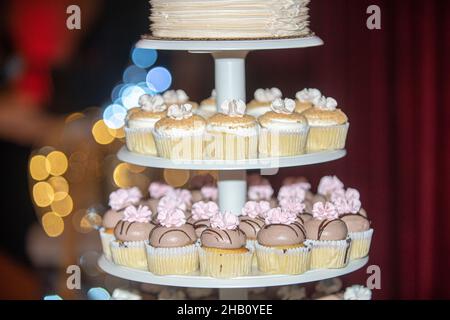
(156, 190)
(291, 197)
(201, 213)
(328, 185)
(252, 218)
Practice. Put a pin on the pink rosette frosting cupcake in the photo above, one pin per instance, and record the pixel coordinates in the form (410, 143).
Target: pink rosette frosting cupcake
(209, 193)
(202, 212)
(329, 185)
(223, 252)
(156, 191)
(171, 245)
(296, 206)
(328, 236)
(252, 218)
(130, 233)
(280, 248)
(348, 206)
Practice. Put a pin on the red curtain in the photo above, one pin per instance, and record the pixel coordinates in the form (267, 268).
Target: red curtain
(394, 86)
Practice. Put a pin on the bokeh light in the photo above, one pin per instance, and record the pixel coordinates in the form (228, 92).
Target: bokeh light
(144, 58)
(135, 168)
(117, 133)
(43, 194)
(176, 178)
(81, 222)
(148, 90)
(73, 117)
(39, 167)
(114, 116)
(134, 74)
(130, 96)
(63, 207)
(60, 187)
(101, 133)
(57, 163)
(120, 175)
(53, 224)
(159, 78)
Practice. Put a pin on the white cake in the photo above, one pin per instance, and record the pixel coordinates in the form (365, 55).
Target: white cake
(229, 19)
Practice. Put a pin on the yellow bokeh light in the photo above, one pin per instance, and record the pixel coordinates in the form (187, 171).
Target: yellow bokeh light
(134, 168)
(39, 167)
(117, 133)
(63, 207)
(60, 187)
(73, 117)
(176, 178)
(57, 163)
(121, 176)
(101, 133)
(53, 224)
(43, 194)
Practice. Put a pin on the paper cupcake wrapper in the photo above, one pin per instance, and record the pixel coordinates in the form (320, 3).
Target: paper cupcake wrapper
(229, 146)
(129, 254)
(327, 138)
(252, 244)
(140, 140)
(360, 244)
(225, 265)
(282, 143)
(172, 261)
(189, 147)
(278, 261)
(106, 239)
(329, 254)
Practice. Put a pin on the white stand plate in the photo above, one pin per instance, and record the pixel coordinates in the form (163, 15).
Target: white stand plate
(268, 163)
(256, 281)
(229, 45)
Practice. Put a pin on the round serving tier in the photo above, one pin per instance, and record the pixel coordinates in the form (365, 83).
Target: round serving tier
(196, 281)
(262, 163)
(229, 45)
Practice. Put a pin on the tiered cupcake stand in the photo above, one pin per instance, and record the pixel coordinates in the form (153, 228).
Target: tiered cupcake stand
(229, 57)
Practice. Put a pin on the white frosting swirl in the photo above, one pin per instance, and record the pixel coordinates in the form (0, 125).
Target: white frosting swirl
(308, 95)
(180, 112)
(152, 103)
(357, 292)
(233, 108)
(267, 95)
(286, 106)
(175, 96)
(325, 103)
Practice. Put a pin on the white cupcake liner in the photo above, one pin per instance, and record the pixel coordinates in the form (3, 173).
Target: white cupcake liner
(172, 261)
(282, 143)
(252, 244)
(360, 246)
(327, 138)
(140, 140)
(215, 263)
(129, 254)
(273, 260)
(188, 147)
(231, 146)
(106, 239)
(329, 254)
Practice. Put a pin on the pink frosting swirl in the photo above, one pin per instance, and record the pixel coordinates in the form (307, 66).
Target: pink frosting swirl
(291, 191)
(204, 210)
(325, 211)
(122, 198)
(225, 221)
(280, 216)
(256, 179)
(157, 190)
(140, 214)
(172, 218)
(294, 205)
(255, 209)
(134, 195)
(168, 203)
(346, 201)
(329, 184)
(260, 192)
(182, 195)
(209, 192)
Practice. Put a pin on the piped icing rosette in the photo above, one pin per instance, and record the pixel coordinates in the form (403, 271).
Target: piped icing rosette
(262, 101)
(329, 185)
(208, 106)
(296, 206)
(210, 192)
(174, 200)
(305, 98)
(260, 192)
(252, 218)
(202, 212)
(283, 131)
(156, 191)
(357, 292)
(122, 198)
(177, 97)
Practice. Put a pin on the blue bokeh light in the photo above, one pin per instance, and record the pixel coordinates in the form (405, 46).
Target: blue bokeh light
(134, 74)
(130, 96)
(114, 116)
(159, 78)
(144, 58)
(115, 93)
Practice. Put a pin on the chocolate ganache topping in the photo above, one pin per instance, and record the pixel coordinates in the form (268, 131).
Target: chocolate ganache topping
(223, 238)
(326, 229)
(171, 237)
(111, 218)
(132, 231)
(251, 226)
(274, 235)
(356, 222)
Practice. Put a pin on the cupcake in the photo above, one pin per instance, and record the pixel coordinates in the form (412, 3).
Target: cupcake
(304, 99)
(223, 252)
(292, 197)
(201, 213)
(252, 219)
(178, 97)
(283, 132)
(171, 247)
(231, 134)
(328, 236)
(179, 136)
(131, 233)
(280, 248)
(140, 123)
(208, 106)
(156, 191)
(348, 206)
(176, 199)
(262, 191)
(118, 201)
(328, 126)
(297, 207)
(262, 101)
(329, 185)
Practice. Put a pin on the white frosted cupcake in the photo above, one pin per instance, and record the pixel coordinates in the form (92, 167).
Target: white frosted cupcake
(231, 134)
(179, 136)
(263, 98)
(328, 126)
(140, 123)
(208, 106)
(178, 97)
(283, 132)
(304, 99)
